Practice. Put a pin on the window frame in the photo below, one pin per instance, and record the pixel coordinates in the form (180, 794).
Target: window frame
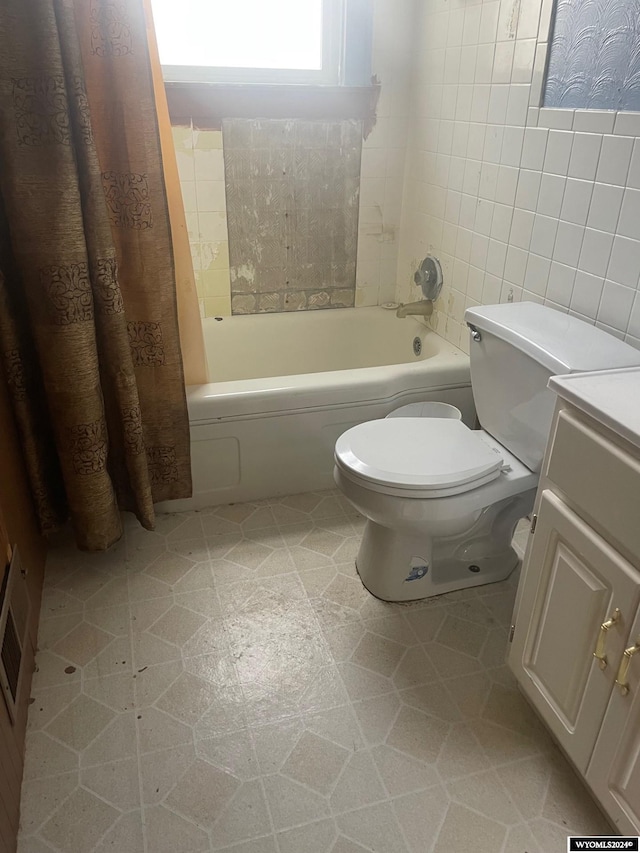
(331, 74)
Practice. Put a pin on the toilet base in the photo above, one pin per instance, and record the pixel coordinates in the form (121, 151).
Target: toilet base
(398, 566)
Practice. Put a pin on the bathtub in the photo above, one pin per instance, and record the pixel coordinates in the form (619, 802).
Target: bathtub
(285, 386)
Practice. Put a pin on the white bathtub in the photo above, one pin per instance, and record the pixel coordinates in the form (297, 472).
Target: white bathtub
(287, 385)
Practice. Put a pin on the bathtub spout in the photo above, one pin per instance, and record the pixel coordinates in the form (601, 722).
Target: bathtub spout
(424, 308)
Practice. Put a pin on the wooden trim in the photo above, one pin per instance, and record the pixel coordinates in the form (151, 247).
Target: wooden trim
(206, 104)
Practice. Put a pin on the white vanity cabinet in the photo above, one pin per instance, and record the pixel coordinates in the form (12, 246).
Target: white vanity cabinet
(578, 607)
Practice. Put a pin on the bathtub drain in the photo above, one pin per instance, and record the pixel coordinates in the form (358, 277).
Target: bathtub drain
(417, 346)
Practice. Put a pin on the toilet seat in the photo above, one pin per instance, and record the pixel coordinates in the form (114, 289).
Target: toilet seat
(417, 457)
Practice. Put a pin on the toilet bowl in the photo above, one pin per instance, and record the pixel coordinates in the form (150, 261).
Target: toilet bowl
(442, 500)
(441, 503)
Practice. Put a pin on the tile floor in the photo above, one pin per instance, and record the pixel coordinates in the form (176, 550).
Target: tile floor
(226, 683)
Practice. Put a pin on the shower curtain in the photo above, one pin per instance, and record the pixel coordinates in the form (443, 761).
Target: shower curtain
(89, 336)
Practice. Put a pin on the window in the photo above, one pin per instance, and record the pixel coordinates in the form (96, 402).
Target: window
(259, 41)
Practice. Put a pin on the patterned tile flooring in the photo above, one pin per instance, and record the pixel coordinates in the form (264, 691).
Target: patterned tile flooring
(226, 683)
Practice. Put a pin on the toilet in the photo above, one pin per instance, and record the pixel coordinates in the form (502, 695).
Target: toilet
(442, 500)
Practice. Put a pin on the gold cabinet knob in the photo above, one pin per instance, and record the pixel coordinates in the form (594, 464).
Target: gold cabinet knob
(625, 663)
(599, 653)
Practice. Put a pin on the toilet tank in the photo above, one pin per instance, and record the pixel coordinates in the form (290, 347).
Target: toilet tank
(515, 349)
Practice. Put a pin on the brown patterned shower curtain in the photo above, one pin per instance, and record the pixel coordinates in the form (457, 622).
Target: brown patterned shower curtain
(88, 325)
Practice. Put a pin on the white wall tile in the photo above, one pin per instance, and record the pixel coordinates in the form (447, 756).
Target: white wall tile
(518, 104)
(634, 319)
(507, 185)
(528, 19)
(543, 237)
(523, 61)
(606, 202)
(633, 179)
(568, 243)
(512, 143)
(629, 222)
(560, 285)
(627, 124)
(516, 265)
(498, 102)
(615, 156)
(521, 228)
(558, 153)
(557, 119)
(576, 201)
(528, 189)
(484, 63)
(595, 252)
(489, 22)
(587, 291)
(585, 152)
(501, 223)
(534, 148)
(615, 305)
(496, 258)
(537, 275)
(551, 194)
(594, 121)
(624, 264)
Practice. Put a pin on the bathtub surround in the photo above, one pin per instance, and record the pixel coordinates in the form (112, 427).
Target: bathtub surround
(292, 191)
(518, 202)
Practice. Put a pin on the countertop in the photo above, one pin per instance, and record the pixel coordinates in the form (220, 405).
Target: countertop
(611, 397)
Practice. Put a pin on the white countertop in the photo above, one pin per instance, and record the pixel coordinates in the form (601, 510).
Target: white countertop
(611, 397)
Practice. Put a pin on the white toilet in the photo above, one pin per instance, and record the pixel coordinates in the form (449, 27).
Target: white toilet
(442, 500)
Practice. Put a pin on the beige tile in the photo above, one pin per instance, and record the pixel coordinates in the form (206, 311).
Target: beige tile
(116, 782)
(125, 834)
(114, 691)
(426, 622)
(315, 762)
(41, 797)
(503, 745)
(82, 644)
(322, 541)
(246, 816)
(49, 702)
(484, 793)
(313, 838)
(507, 708)
(338, 725)
(114, 659)
(79, 724)
(527, 782)
(54, 629)
(414, 669)
(461, 754)
(420, 815)
(466, 830)
(345, 845)
(393, 627)
(167, 832)
(145, 613)
(157, 730)
(273, 743)
(177, 625)
(521, 838)
(358, 785)
(248, 554)
(292, 804)
(379, 654)
(362, 683)
(376, 716)
(79, 823)
(265, 844)
(469, 692)
(188, 698)
(232, 753)
(117, 741)
(33, 844)
(202, 793)
(149, 650)
(401, 773)
(450, 663)
(462, 635)
(375, 827)
(433, 700)
(160, 771)
(417, 734)
(169, 568)
(226, 714)
(153, 681)
(115, 620)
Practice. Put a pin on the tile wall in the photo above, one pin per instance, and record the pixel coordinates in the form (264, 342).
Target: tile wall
(201, 168)
(200, 161)
(518, 202)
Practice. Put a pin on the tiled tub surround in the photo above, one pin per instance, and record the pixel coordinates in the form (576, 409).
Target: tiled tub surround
(292, 191)
(518, 202)
(226, 683)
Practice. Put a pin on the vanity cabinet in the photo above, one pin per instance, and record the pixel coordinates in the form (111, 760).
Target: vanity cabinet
(578, 609)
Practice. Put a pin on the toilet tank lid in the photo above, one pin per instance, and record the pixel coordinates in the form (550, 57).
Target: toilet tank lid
(557, 341)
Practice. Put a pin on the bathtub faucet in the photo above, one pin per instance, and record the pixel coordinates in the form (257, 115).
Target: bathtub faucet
(423, 307)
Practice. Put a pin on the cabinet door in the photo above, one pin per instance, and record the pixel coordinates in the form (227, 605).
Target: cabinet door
(572, 582)
(614, 770)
